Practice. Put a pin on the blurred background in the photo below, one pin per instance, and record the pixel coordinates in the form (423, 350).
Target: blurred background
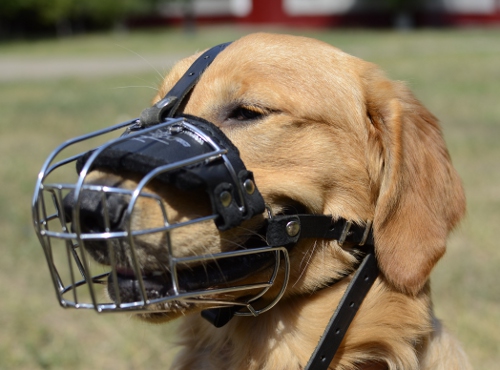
(21, 18)
(70, 67)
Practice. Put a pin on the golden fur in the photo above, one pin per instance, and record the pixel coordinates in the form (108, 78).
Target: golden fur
(336, 136)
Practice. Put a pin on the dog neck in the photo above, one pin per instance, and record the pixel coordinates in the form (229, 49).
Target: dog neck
(285, 337)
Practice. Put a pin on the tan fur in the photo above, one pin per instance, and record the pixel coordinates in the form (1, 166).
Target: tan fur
(340, 138)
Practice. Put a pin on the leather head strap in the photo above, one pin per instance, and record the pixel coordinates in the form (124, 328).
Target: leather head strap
(168, 106)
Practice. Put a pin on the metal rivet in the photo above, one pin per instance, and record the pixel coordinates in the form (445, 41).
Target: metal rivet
(225, 198)
(292, 228)
(249, 186)
(176, 129)
(165, 101)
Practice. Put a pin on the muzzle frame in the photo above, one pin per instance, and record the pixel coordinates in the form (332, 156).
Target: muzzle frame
(57, 237)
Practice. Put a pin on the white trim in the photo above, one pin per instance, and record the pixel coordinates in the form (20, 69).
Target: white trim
(471, 6)
(241, 8)
(317, 7)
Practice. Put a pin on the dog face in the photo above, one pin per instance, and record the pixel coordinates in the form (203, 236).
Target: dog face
(324, 133)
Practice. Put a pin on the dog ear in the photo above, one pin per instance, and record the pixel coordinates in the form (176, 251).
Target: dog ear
(420, 196)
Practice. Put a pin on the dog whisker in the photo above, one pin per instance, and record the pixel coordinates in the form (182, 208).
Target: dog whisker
(308, 254)
(144, 59)
(136, 86)
(252, 233)
(237, 244)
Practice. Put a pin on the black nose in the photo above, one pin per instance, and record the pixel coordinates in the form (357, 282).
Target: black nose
(92, 209)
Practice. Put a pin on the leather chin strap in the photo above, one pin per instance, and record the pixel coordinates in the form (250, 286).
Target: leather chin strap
(339, 323)
(356, 291)
(287, 230)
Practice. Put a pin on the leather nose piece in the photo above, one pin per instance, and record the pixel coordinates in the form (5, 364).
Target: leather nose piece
(92, 210)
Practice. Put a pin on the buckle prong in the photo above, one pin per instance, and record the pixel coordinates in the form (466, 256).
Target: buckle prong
(345, 232)
(366, 233)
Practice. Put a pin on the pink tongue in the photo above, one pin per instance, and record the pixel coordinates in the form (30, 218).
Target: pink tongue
(125, 272)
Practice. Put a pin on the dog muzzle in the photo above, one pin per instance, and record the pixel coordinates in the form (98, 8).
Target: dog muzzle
(79, 223)
(186, 153)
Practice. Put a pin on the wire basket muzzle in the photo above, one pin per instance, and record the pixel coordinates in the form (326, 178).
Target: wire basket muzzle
(186, 153)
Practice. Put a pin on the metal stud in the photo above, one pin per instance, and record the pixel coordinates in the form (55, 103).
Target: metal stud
(292, 228)
(249, 186)
(175, 129)
(225, 198)
(166, 101)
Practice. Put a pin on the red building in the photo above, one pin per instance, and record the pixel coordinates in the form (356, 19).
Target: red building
(331, 13)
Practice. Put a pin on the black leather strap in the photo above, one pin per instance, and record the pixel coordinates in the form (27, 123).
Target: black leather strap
(280, 229)
(345, 312)
(288, 229)
(167, 107)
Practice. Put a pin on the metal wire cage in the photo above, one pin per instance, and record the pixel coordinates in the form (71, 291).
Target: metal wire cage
(80, 282)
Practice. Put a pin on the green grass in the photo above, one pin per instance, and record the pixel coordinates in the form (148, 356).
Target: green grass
(455, 73)
(153, 41)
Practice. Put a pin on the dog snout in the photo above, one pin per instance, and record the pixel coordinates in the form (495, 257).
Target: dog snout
(98, 212)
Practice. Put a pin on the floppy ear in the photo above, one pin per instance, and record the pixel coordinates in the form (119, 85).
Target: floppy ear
(420, 196)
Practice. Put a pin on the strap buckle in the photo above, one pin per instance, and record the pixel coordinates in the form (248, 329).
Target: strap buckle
(345, 232)
(368, 228)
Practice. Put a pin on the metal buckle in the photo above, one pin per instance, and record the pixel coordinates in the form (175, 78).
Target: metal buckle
(345, 232)
(366, 233)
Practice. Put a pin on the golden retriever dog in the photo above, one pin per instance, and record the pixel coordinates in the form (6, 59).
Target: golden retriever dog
(325, 133)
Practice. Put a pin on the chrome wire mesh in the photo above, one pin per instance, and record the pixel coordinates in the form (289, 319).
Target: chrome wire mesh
(79, 281)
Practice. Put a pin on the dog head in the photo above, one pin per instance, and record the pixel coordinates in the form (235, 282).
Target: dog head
(323, 133)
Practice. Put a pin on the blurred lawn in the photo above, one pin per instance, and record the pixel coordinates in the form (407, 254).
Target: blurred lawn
(455, 73)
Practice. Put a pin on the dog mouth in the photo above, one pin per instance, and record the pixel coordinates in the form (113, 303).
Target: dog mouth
(197, 279)
(192, 280)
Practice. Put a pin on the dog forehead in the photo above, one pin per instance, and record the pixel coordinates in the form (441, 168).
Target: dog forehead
(277, 46)
(285, 59)
(281, 72)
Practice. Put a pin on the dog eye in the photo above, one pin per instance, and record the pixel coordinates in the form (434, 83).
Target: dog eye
(246, 114)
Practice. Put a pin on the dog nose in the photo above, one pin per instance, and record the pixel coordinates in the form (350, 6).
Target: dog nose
(93, 208)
